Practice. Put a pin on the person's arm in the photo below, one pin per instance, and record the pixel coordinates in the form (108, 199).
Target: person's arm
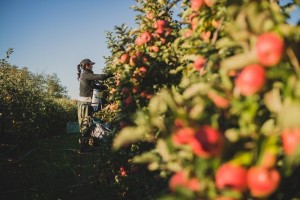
(94, 77)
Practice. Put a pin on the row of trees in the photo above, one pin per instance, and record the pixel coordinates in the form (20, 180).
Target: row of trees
(36, 104)
(209, 102)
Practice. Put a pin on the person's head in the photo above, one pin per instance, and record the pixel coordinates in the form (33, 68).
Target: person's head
(85, 64)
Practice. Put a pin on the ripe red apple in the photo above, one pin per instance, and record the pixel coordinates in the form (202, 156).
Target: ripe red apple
(269, 49)
(206, 36)
(181, 179)
(163, 40)
(159, 31)
(142, 70)
(178, 179)
(154, 49)
(262, 181)
(215, 23)
(208, 142)
(135, 89)
(193, 20)
(188, 33)
(231, 176)
(218, 100)
(124, 58)
(209, 3)
(168, 31)
(138, 54)
(160, 24)
(196, 4)
(199, 63)
(139, 41)
(128, 100)
(146, 37)
(290, 138)
(193, 184)
(179, 123)
(251, 80)
(183, 135)
(122, 171)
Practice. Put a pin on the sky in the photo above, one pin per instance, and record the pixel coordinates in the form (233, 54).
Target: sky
(53, 36)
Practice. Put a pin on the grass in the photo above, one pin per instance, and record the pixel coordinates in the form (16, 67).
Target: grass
(48, 172)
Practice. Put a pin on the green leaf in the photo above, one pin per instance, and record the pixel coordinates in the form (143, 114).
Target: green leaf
(162, 149)
(273, 101)
(146, 157)
(243, 158)
(290, 114)
(196, 89)
(129, 135)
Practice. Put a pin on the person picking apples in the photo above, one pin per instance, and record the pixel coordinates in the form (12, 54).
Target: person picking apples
(87, 82)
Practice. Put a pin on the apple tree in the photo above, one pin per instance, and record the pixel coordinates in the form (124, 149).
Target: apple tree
(230, 128)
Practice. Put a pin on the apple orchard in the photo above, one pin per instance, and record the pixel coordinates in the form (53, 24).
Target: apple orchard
(210, 99)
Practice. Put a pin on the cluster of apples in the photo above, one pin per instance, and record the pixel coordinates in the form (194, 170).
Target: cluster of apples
(269, 48)
(262, 179)
(160, 33)
(205, 141)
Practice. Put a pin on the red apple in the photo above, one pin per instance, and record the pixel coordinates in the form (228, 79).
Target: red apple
(135, 89)
(179, 123)
(262, 181)
(139, 41)
(218, 100)
(193, 184)
(290, 138)
(154, 49)
(231, 176)
(125, 90)
(142, 70)
(183, 135)
(128, 100)
(160, 24)
(159, 31)
(251, 80)
(209, 3)
(122, 171)
(199, 63)
(179, 179)
(146, 37)
(208, 142)
(269, 48)
(168, 31)
(206, 36)
(124, 58)
(188, 33)
(196, 4)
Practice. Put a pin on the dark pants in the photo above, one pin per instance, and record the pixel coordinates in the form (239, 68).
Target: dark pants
(84, 120)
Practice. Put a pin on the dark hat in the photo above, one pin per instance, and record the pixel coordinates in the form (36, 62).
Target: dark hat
(86, 61)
